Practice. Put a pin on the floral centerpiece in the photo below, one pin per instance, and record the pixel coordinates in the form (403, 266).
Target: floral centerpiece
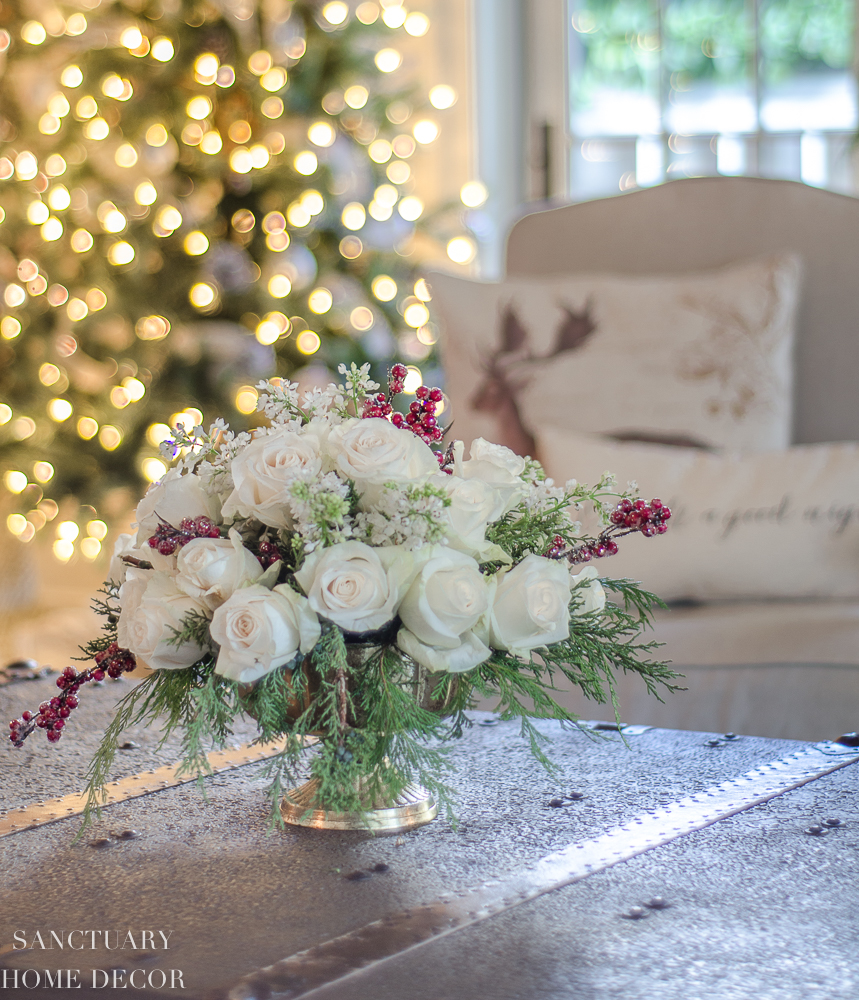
(342, 573)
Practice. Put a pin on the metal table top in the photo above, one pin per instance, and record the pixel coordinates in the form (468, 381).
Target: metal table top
(752, 905)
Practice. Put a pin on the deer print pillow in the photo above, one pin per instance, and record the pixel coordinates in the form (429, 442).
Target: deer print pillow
(701, 360)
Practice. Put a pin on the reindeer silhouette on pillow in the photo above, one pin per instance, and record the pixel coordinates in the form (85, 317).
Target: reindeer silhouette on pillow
(509, 368)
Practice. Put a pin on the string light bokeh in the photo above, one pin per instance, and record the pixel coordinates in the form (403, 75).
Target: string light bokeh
(188, 204)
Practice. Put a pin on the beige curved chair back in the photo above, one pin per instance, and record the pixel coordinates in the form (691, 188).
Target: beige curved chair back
(701, 223)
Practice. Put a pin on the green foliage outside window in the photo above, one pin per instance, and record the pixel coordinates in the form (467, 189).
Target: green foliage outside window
(708, 40)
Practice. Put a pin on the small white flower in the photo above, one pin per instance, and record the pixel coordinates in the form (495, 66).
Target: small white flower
(259, 630)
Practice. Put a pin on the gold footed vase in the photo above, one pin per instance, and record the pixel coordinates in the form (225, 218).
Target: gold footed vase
(393, 812)
(413, 807)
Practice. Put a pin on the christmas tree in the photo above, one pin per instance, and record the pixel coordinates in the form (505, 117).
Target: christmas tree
(193, 195)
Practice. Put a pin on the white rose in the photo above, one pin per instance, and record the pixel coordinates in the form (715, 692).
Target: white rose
(357, 587)
(470, 652)
(531, 606)
(211, 569)
(373, 452)
(152, 609)
(259, 630)
(174, 497)
(592, 596)
(497, 466)
(474, 505)
(264, 471)
(447, 598)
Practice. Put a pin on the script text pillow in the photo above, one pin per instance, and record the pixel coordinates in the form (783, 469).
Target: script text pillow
(704, 359)
(774, 525)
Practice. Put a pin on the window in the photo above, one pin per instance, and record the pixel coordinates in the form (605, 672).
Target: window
(682, 88)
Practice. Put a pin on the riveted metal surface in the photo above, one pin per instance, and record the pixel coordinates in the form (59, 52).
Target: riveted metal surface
(51, 810)
(304, 973)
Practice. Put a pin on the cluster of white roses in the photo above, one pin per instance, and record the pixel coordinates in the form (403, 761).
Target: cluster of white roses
(295, 482)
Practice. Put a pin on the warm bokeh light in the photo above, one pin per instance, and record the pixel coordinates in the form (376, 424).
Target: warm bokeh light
(367, 13)
(52, 230)
(354, 215)
(417, 24)
(411, 208)
(461, 250)
(110, 437)
(321, 134)
(59, 409)
(72, 77)
(388, 60)
(394, 15)
(442, 96)
(59, 198)
(246, 399)
(96, 529)
(362, 318)
(356, 97)
(33, 32)
(90, 548)
(16, 482)
(63, 550)
(473, 194)
(152, 327)
(384, 288)
(416, 314)
(87, 428)
(68, 530)
(335, 12)
(156, 433)
(131, 37)
(297, 215)
(273, 80)
(320, 300)
(202, 295)
(43, 472)
(198, 108)
(153, 469)
(126, 155)
(425, 131)
(279, 286)
(422, 291)
(157, 135)
(306, 163)
(121, 253)
(308, 342)
(196, 243)
(26, 166)
(81, 241)
(413, 380)
(380, 151)
(398, 172)
(162, 49)
(211, 143)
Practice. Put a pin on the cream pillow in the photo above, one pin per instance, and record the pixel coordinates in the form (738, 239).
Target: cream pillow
(703, 357)
(775, 525)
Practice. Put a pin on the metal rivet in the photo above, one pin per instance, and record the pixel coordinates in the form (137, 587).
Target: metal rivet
(832, 822)
(635, 913)
(816, 831)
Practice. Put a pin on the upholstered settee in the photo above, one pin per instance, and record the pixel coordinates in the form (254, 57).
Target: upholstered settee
(775, 655)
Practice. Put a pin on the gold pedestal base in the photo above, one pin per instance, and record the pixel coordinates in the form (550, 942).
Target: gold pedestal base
(414, 807)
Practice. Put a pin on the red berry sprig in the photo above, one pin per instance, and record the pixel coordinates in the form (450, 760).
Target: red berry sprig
(52, 714)
(629, 517)
(168, 539)
(269, 552)
(421, 417)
